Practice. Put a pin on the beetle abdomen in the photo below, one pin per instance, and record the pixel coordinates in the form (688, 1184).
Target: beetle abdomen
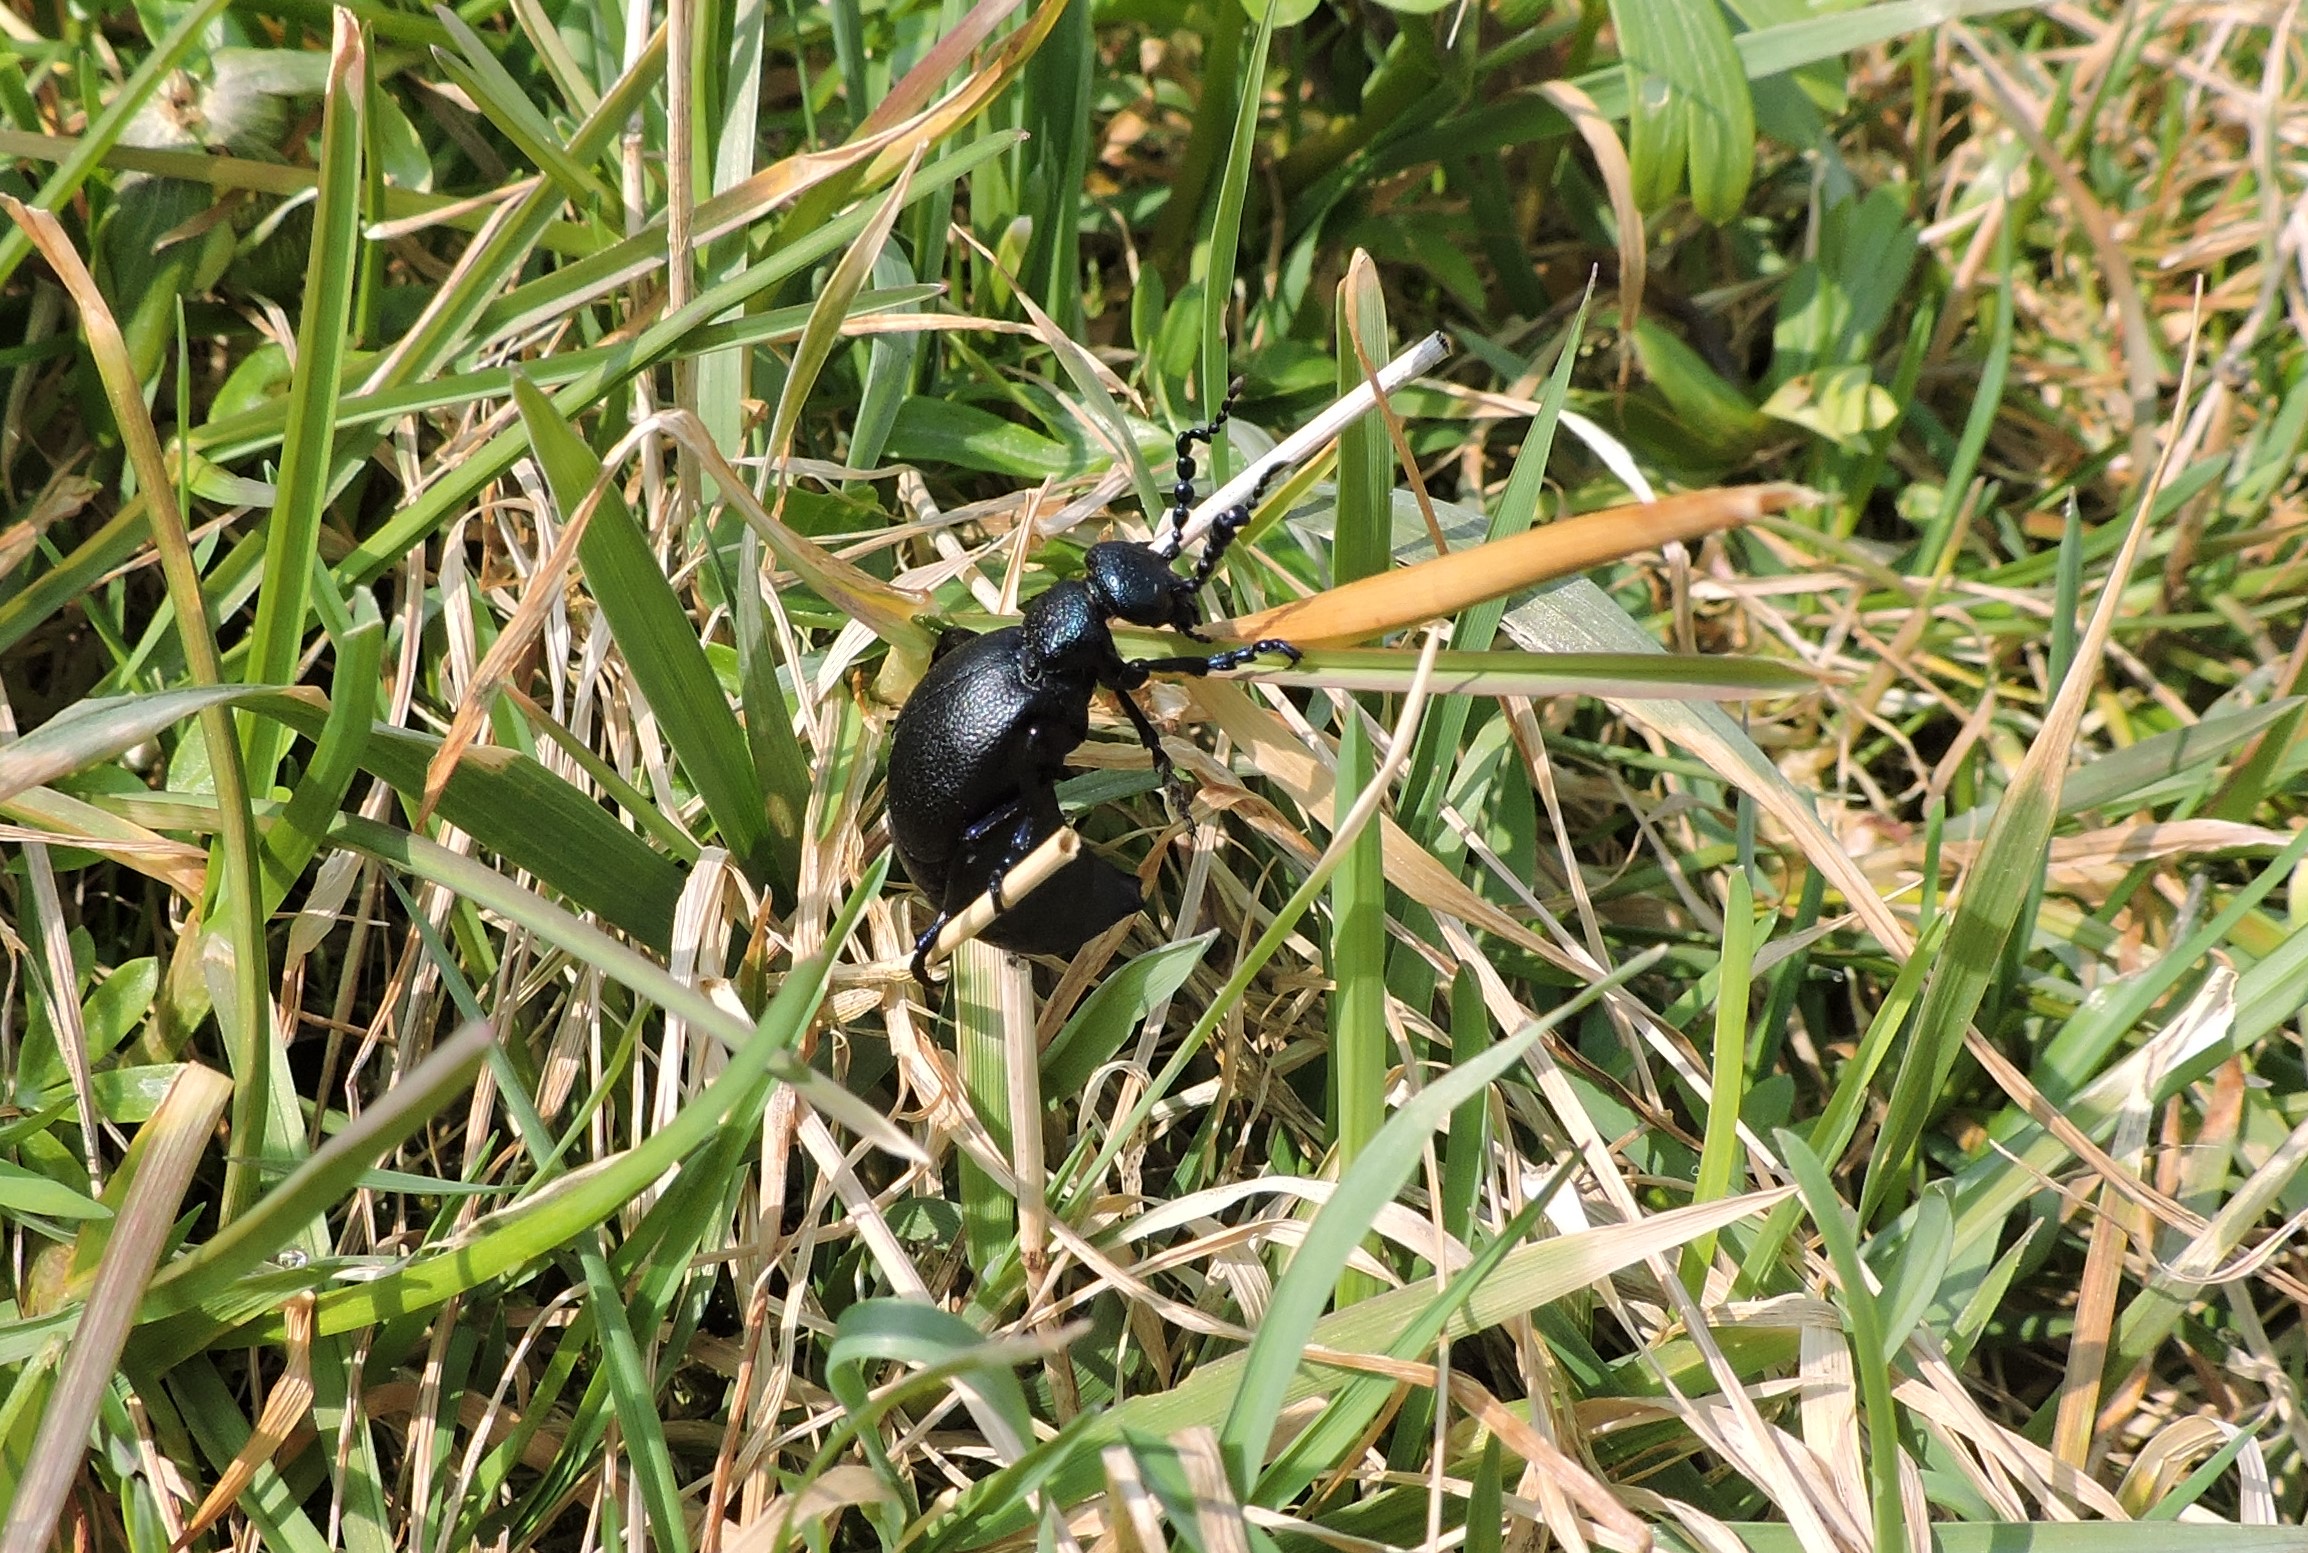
(947, 766)
(1073, 906)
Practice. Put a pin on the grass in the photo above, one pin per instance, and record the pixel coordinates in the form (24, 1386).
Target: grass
(1788, 1041)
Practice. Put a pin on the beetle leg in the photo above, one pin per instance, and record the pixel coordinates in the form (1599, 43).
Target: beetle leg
(1182, 491)
(1217, 662)
(1173, 790)
(1004, 815)
(1008, 814)
(925, 942)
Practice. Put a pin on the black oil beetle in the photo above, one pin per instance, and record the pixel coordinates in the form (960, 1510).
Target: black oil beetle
(980, 745)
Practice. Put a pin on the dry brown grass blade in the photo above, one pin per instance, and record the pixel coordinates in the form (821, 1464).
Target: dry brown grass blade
(881, 149)
(1284, 761)
(1217, 1513)
(964, 103)
(886, 610)
(65, 495)
(179, 865)
(937, 66)
(1626, 211)
(1582, 1487)
(1447, 584)
(290, 1401)
(511, 648)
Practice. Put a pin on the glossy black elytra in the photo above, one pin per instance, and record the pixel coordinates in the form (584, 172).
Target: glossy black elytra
(979, 747)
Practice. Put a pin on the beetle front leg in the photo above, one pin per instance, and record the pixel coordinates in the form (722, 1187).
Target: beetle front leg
(1173, 788)
(1217, 662)
(1008, 814)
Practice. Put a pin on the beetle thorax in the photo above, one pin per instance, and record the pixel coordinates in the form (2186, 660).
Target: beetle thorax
(1134, 583)
(1065, 634)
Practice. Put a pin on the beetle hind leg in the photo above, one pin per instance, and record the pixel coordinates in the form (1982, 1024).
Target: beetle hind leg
(924, 942)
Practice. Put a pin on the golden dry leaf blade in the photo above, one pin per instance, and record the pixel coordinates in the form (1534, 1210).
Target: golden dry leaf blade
(965, 102)
(889, 612)
(1579, 1485)
(1602, 139)
(937, 66)
(543, 590)
(290, 1401)
(1447, 584)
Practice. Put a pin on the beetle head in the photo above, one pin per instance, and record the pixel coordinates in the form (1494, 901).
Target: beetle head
(1135, 583)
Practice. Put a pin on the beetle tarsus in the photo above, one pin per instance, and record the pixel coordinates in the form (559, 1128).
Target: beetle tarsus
(924, 943)
(1217, 662)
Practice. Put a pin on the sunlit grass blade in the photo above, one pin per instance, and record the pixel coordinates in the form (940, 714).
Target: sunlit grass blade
(1355, 949)
(514, 806)
(1727, 1093)
(308, 443)
(493, 89)
(1505, 672)
(291, 841)
(1864, 1319)
(384, 546)
(1528, 1279)
(660, 645)
(324, 1179)
(572, 1204)
(237, 897)
(2010, 860)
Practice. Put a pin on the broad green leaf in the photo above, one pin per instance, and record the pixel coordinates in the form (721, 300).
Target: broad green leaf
(1122, 998)
(517, 808)
(25, 1191)
(1690, 107)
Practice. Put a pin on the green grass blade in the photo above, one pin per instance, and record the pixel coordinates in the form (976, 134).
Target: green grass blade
(660, 645)
(324, 1179)
(1727, 1092)
(517, 808)
(1360, 1044)
(1863, 1318)
(308, 444)
(1366, 1184)
(151, 1185)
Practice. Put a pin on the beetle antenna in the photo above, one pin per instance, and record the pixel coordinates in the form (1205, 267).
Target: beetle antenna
(1167, 545)
(1225, 526)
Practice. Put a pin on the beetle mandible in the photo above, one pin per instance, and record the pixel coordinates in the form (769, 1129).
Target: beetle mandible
(979, 746)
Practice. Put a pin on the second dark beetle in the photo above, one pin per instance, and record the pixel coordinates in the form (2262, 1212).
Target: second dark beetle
(979, 747)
